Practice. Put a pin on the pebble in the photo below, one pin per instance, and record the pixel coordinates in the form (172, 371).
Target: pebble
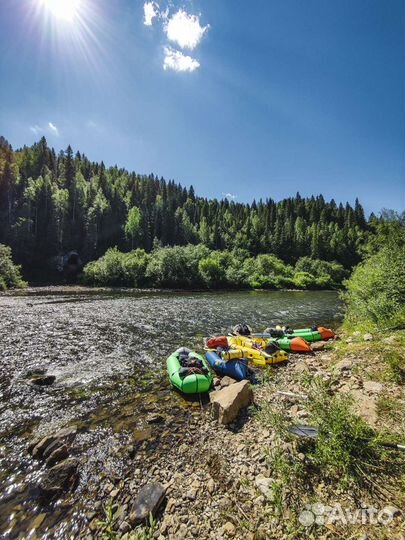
(344, 365)
(229, 529)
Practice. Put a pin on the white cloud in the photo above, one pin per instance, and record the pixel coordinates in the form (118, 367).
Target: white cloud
(91, 124)
(36, 129)
(229, 196)
(53, 129)
(178, 61)
(150, 11)
(185, 29)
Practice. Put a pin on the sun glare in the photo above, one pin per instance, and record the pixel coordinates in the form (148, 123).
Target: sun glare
(64, 10)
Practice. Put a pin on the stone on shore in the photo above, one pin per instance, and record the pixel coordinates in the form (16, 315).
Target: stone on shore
(227, 403)
(344, 365)
(148, 501)
(318, 345)
(227, 381)
(59, 478)
(43, 380)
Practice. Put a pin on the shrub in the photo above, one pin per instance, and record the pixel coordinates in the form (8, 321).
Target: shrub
(345, 448)
(269, 272)
(327, 274)
(376, 290)
(304, 280)
(117, 268)
(176, 266)
(10, 275)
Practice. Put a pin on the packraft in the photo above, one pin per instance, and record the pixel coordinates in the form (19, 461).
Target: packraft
(189, 372)
(287, 343)
(228, 363)
(316, 333)
(259, 351)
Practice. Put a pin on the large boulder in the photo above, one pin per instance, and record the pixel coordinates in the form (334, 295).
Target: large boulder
(148, 501)
(58, 479)
(43, 447)
(227, 403)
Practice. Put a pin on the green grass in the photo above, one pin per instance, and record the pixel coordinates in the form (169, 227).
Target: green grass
(107, 525)
(145, 533)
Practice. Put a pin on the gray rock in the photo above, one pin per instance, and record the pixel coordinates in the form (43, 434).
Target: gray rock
(390, 339)
(57, 443)
(43, 380)
(34, 371)
(40, 447)
(227, 403)
(59, 478)
(368, 337)
(344, 365)
(227, 381)
(318, 345)
(125, 527)
(211, 486)
(373, 387)
(45, 446)
(148, 501)
(229, 529)
(155, 419)
(264, 485)
(59, 454)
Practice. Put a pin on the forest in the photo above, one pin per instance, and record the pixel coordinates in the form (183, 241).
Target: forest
(51, 204)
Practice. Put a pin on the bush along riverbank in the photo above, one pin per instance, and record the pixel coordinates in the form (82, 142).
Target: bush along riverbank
(10, 275)
(196, 266)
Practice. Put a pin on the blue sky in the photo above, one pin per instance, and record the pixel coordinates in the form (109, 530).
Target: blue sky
(256, 99)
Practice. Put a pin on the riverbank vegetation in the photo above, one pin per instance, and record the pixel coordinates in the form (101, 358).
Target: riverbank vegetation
(375, 297)
(51, 204)
(10, 275)
(196, 266)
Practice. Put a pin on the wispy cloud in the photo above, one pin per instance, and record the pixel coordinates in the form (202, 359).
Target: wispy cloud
(150, 11)
(177, 61)
(49, 128)
(36, 129)
(53, 129)
(230, 196)
(185, 29)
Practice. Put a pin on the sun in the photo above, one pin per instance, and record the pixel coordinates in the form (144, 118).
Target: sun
(64, 10)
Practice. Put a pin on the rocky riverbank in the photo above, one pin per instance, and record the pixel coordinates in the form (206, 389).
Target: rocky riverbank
(228, 481)
(248, 479)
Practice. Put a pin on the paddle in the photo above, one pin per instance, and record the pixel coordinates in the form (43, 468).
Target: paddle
(311, 432)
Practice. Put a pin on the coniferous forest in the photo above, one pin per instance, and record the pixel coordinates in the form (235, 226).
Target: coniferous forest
(51, 204)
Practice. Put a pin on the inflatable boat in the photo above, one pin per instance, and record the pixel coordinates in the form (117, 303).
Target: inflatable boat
(189, 372)
(287, 343)
(259, 351)
(235, 368)
(316, 333)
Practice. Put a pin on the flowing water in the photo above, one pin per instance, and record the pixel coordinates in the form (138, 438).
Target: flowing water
(107, 351)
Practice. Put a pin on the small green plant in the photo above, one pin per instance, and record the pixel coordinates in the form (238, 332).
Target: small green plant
(107, 525)
(345, 447)
(147, 532)
(395, 367)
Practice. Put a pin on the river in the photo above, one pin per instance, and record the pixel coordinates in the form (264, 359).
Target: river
(107, 351)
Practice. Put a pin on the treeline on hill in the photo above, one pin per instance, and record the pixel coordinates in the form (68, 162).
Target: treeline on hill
(51, 204)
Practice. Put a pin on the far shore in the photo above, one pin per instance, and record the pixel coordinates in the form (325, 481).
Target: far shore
(87, 289)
